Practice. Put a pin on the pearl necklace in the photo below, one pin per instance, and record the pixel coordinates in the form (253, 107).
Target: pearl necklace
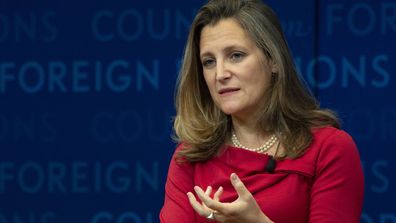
(262, 149)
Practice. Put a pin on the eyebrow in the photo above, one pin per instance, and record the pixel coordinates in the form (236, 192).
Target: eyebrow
(225, 50)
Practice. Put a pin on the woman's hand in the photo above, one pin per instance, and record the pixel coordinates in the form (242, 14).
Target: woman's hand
(244, 209)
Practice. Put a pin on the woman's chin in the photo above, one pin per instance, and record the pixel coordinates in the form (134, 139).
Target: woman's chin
(230, 110)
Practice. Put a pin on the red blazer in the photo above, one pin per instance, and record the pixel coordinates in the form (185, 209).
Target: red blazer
(324, 185)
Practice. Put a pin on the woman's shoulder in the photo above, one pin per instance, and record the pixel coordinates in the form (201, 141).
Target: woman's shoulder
(330, 141)
(330, 135)
(179, 165)
(176, 157)
(326, 131)
(329, 145)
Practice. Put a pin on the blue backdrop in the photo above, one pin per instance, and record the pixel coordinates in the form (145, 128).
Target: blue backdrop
(86, 100)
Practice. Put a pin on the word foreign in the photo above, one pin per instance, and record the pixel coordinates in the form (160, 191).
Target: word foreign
(79, 177)
(361, 18)
(80, 76)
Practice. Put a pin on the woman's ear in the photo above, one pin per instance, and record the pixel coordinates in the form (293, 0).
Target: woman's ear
(274, 67)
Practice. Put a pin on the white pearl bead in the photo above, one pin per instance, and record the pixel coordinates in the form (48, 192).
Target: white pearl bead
(262, 149)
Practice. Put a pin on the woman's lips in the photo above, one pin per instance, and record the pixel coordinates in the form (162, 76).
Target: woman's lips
(228, 91)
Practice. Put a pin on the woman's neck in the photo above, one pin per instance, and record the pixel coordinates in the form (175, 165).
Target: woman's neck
(249, 132)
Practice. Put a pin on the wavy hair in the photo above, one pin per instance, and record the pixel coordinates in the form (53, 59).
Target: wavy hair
(289, 109)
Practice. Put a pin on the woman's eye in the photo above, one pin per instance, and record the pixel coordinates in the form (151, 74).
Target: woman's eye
(237, 56)
(208, 63)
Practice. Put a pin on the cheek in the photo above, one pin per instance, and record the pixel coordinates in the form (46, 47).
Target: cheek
(262, 75)
(259, 82)
(209, 83)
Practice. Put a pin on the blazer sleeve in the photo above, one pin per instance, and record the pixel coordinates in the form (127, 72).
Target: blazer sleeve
(180, 180)
(338, 186)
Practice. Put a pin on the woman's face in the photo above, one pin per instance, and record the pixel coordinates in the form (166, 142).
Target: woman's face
(236, 71)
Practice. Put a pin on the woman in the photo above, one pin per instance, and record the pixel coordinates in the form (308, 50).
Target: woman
(254, 146)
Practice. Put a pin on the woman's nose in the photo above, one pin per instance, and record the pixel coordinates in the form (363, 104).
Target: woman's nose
(222, 71)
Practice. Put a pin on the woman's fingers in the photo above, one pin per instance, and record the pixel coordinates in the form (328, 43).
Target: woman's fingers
(208, 190)
(225, 212)
(218, 193)
(240, 188)
(196, 205)
(209, 202)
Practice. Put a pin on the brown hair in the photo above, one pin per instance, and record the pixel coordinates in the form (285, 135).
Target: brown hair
(289, 109)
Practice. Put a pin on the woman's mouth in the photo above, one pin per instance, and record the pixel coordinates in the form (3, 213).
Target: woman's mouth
(226, 91)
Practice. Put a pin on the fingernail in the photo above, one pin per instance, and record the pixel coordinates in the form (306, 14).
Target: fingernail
(234, 176)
